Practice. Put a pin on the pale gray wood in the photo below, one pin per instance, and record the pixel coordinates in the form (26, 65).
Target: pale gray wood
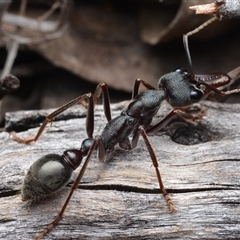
(121, 199)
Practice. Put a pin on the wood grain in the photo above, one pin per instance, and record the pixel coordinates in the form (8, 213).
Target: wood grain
(120, 199)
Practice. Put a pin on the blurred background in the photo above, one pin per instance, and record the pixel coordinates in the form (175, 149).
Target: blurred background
(64, 48)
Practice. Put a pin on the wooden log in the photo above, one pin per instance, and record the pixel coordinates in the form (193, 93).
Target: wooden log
(120, 199)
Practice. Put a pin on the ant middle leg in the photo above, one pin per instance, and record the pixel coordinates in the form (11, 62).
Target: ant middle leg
(92, 98)
(133, 144)
(155, 164)
(137, 86)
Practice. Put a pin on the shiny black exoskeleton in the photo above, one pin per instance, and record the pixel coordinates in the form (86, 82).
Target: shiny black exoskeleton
(180, 88)
(52, 172)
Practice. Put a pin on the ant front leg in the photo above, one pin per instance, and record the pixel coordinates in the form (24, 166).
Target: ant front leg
(230, 92)
(161, 124)
(212, 87)
(173, 114)
(92, 98)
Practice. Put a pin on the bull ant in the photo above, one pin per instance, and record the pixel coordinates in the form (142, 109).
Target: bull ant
(179, 88)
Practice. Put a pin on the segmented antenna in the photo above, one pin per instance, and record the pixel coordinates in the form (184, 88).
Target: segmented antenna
(185, 39)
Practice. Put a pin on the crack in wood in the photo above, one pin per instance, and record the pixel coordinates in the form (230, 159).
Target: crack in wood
(125, 188)
(7, 193)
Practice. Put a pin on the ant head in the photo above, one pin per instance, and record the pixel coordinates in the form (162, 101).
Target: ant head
(180, 88)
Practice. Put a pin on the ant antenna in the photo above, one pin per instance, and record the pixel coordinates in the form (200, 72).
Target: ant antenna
(185, 39)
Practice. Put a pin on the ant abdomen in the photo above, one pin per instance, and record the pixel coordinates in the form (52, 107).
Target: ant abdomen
(49, 174)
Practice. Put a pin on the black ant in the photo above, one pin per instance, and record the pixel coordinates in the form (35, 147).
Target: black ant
(180, 88)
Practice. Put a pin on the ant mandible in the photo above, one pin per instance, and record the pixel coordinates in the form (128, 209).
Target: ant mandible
(180, 88)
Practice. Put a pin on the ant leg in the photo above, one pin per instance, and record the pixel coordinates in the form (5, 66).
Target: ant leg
(102, 88)
(154, 160)
(55, 222)
(92, 98)
(50, 118)
(162, 123)
(174, 113)
(155, 164)
(224, 93)
(212, 87)
(187, 116)
(137, 86)
(230, 92)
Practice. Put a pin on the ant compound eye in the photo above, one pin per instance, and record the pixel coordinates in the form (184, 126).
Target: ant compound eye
(182, 71)
(196, 95)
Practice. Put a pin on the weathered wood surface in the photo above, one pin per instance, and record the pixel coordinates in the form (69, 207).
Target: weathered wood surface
(120, 199)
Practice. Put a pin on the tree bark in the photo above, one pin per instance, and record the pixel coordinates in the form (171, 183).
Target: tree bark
(120, 199)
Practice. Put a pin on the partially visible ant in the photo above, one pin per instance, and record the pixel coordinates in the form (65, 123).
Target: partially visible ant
(179, 88)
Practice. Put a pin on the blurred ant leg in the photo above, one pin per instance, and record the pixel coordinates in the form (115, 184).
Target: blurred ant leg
(173, 114)
(230, 92)
(222, 93)
(192, 117)
(155, 164)
(137, 86)
(55, 222)
(214, 89)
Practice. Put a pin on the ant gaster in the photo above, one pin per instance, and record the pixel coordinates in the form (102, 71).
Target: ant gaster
(180, 88)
